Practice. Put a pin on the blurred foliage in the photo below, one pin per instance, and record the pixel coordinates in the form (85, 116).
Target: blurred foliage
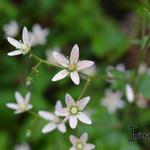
(100, 38)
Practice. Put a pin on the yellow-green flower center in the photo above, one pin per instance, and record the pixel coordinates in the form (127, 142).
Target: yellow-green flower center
(23, 107)
(72, 67)
(25, 48)
(79, 146)
(74, 110)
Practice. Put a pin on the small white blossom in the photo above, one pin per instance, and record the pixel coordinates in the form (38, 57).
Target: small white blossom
(23, 46)
(54, 120)
(71, 66)
(129, 92)
(81, 143)
(141, 101)
(112, 101)
(144, 69)
(24, 146)
(39, 35)
(121, 67)
(74, 111)
(22, 104)
(11, 29)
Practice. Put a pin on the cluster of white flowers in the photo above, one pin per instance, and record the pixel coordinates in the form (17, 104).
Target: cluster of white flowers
(74, 110)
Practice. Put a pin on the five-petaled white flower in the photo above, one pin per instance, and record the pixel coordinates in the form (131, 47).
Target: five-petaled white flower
(81, 143)
(112, 101)
(23, 46)
(74, 111)
(22, 104)
(54, 120)
(71, 66)
(11, 29)
(39, 35)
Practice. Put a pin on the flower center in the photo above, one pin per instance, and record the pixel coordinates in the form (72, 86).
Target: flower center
(25, 48)
(74, 110)
(57, 120)
(23, 107)
(72, 67)
(79, 146)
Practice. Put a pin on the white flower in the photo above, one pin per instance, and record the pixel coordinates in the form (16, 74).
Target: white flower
(71, 66)
(54, 120)
(39, 35)
(22, 104)
(81, 143)
(74, 111)
(24, 146)
(11, 29)
(144, 69)
(129, 93)
(141, 101)
(112, 101)
(22, 47)
(121, 67)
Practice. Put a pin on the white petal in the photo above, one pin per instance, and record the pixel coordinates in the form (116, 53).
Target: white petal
(14, 53)
(60, 75)
(73, 148)
(58, 105)
(19, 98)
(27, 97)
(83, 102)
(89, 146)
(73, 122)
(48, 128)
(61, 59)
(25, 36)
(84, 137)
(73, 139)
(46, 115)
(14, 42)
(69, 100)
(75, 77)
(12, 106)
(84, 64)
(62, 127)
(62, 112)
(74, 56)
(29, 107)
(129, 93)
(19, 111)
(84, 118)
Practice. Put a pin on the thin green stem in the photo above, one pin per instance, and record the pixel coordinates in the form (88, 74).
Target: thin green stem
(143, 48)
(141, 57)
(85, 88)
(42, 60)
(29, 130)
